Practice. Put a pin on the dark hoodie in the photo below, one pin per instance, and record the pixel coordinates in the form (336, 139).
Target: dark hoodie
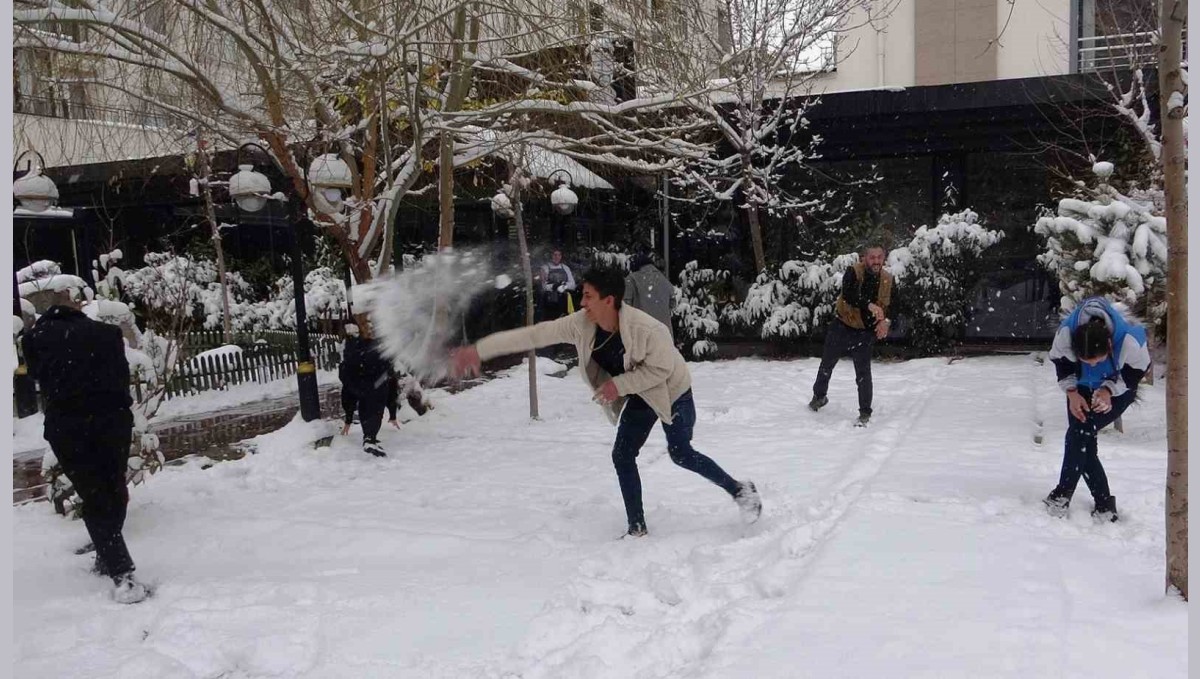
(79, 363)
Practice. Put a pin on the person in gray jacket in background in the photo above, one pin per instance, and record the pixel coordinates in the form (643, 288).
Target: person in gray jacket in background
(648, 289)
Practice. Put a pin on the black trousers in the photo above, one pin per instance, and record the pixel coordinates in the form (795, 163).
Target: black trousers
(370, 405)
(93, 450)
(637, 421)
(1081, 455)
(840, 340)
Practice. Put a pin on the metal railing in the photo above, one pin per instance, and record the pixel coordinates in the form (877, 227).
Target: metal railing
(51, 107)
(1125, 50)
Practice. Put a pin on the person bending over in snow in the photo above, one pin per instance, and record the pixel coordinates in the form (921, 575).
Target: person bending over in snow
(1099, 357)
(368, 385)
(84, 376)
(861, 319)
(635, 372)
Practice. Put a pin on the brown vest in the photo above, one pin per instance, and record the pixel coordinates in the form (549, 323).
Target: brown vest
(851, 316)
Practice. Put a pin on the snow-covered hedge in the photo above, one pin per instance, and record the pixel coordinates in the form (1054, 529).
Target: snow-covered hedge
(696, 314)
(936, 275)
(794, 300)
(1109, 244)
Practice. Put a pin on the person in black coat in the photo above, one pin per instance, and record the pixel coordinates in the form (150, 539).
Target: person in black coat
(369, 385)
(84, 377)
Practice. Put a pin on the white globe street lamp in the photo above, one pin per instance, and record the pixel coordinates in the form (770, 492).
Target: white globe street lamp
(249, 188)
(563, 199)
(331, 180)
(35, 191)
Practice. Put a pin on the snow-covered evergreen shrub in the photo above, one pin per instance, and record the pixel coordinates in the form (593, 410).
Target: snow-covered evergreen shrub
(1109, 244)
(793, 301)
(696, 314)
(936, 274)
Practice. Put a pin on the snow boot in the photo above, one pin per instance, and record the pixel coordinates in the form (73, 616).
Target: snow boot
(748, 502)
(128, 590)
(864, 418)
(636, 530)
(817, 403)
(1057, 503)
(372, 446)
(1106, 510)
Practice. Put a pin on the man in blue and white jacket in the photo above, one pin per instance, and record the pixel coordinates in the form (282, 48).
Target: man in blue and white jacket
(1100, 358)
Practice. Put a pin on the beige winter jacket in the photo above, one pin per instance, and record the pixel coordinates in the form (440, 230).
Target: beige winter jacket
(654, 368)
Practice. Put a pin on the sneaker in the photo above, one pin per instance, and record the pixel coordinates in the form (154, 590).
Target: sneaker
(863, 420)
(636, 530)
(128, 590)
(748, 502)
(374, 448)
(817, 403)
(1057, 504)
(1106, 510)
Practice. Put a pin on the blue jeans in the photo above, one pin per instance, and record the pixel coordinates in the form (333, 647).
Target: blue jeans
(1081, 457)
(637, 421)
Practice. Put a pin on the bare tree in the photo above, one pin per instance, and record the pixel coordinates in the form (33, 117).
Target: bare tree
(773, 51)
(1173, 103)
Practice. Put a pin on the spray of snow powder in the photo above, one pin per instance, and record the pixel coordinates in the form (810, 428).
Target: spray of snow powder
(417, 313)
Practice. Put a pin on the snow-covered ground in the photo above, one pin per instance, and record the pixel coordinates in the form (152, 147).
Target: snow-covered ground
(484, 546)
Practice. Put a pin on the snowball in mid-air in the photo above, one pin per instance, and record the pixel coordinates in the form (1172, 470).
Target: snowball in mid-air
(503, 281)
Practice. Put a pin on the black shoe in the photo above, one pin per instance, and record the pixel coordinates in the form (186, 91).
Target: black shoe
(817, 403)
(748, 502)
(1106, 510)
(864, 418)
(1057, 503)
(128, 590)
(98, 568)
(86, 549)
(372, 446)
(636, 530)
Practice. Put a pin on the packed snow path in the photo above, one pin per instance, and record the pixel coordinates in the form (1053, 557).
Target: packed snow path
(484, 546)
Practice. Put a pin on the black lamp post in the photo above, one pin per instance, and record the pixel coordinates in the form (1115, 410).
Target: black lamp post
(251, 190)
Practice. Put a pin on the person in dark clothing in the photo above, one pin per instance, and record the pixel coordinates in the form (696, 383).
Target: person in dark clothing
(369, 386)
(861, 319)
(84, 376)
(557, 283)
(1099, 358)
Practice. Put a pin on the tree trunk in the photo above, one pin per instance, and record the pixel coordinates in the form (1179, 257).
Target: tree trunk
(446, 192)
(516, 179)
(756, 239)
(206, 190)
(1174, 159)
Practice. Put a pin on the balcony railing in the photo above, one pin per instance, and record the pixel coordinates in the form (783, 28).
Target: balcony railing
(50, 107)
(1127, 50)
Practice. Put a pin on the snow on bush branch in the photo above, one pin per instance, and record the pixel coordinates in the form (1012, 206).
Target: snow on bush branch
(1109, 244)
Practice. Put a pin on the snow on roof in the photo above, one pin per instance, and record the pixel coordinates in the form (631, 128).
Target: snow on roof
(538, 161)
(51, 213)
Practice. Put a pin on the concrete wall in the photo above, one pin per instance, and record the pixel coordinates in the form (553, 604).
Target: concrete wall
(77, 142)
(935, 42)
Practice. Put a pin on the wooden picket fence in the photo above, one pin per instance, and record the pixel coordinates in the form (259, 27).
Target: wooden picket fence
(262, 362)
(203, 340)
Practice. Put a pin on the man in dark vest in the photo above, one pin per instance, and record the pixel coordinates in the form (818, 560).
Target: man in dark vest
(81, 367)
(861, 319)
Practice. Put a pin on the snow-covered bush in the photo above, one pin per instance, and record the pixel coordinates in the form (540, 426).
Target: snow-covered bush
(936, 274)
(169, 283)
(609, 255)
(1109, 244)
(794, 300)
(696, 314)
